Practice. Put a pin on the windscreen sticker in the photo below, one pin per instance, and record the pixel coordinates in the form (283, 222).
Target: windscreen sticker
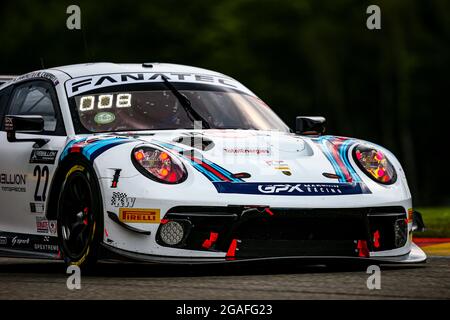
(38, 74)
(104, 118)
(84, 84)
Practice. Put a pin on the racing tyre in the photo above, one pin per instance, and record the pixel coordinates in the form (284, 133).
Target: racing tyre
(80, 217)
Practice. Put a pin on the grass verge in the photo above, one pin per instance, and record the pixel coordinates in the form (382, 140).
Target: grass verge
(437, 222)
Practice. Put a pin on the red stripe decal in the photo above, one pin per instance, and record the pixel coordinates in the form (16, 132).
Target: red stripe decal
(344, 169)
(210, 169)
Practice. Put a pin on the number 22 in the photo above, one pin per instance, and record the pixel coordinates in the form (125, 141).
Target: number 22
(41, 173)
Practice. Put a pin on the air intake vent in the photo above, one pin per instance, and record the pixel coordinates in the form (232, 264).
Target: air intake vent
(198, 142)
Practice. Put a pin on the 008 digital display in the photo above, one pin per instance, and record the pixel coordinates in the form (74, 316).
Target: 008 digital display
(105, 101)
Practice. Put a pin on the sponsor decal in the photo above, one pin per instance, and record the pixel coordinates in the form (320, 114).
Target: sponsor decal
(38, 74)
(281, 166)
(247, 151)
(299, 188)
(291, 189)
(43, 156)
(83, 84)
(116, 177)
(41, 225)
(9, 124)
(17, 179)
(36, 207)
(43, 243)
(104, 118)
(14, 189)
(3, 241)
(120, 199)
(52, 227)
(46, 247)
(139, 215)
(18, 241)
(13, 182)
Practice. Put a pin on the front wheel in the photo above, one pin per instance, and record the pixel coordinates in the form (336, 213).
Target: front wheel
(80, 217)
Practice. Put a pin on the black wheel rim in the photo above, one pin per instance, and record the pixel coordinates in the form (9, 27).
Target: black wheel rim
(77, 218)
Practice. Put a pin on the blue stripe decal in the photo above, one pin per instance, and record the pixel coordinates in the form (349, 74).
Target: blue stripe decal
(330, 157)
(211, 176)
(93, 149)
(205, 172)
(223, 171)
(169, 146)
(344, 155)
(88, 149)
(99, 151)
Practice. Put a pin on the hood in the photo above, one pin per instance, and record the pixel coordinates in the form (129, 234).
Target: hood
(250, 155)
(239, 161)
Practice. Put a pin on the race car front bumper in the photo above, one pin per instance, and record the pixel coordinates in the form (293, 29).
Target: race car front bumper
(245, 233)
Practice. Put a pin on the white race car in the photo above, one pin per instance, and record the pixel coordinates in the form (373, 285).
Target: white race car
(158, 162)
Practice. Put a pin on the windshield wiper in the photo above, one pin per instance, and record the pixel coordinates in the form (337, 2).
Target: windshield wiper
(186, 103)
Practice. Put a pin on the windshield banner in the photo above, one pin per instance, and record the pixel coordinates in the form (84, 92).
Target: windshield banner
(80, 85)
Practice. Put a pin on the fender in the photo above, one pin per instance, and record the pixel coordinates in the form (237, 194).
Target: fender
(78, 149)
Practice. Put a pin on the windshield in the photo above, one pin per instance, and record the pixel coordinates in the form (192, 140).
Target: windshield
(155, 107)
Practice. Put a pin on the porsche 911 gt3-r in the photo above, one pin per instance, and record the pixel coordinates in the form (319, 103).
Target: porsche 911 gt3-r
(169, 163)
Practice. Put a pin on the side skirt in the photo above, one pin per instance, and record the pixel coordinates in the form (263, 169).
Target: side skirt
(28, 246)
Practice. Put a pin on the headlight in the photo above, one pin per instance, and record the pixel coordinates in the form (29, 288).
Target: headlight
(375, 164)
(158, 165)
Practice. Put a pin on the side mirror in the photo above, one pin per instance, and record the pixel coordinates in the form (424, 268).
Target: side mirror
(24, 124)
(310, 125)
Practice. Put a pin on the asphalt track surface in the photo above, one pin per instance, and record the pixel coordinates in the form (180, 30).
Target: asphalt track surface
(40, 279)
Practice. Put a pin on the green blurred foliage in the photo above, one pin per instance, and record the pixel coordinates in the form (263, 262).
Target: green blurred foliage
(437, 222)
(303, 57)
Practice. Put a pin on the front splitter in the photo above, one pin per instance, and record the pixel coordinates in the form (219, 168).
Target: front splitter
(107, 252)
